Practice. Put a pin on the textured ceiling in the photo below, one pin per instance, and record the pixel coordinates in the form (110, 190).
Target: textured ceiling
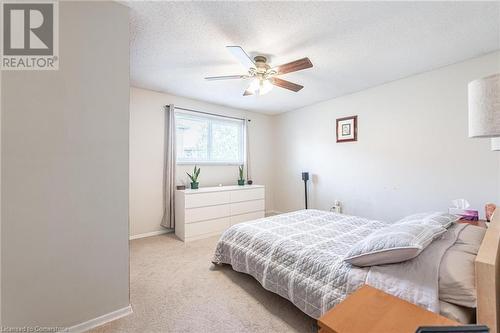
(353, 45)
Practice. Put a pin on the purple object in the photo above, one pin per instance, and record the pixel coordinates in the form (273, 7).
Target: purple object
(470, 215)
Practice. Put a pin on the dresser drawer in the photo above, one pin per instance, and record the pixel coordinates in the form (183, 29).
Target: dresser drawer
(207, 227)
(247, 195)
(235, 219)
(238, 208)
(207, 199)
(207, 213)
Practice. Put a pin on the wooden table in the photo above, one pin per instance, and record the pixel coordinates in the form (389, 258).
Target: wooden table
(369, 310)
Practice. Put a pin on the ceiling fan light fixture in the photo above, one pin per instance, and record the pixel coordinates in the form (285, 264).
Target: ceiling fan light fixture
(260, 86)
(254, 86)
(265, 87)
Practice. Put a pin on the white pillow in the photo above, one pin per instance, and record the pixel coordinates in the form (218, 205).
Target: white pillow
(441, 218)
(395, 243)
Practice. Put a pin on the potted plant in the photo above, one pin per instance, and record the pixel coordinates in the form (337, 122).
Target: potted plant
(194, 178)
(241, 181)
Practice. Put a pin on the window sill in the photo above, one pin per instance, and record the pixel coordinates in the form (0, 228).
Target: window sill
(211, 163)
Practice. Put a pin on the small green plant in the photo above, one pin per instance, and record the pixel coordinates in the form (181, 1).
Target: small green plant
(241, 181)
(194, 177)
(242, 176)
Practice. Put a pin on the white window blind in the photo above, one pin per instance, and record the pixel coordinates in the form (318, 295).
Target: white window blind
(206, 139)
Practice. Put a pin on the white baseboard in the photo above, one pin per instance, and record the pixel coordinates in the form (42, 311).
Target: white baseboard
(149, 234)
(273, 212)
(92, 323)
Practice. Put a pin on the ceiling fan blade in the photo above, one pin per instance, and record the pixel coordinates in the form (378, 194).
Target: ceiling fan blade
(242, 56)
(294, 66)
(227, 77)
(286, 84)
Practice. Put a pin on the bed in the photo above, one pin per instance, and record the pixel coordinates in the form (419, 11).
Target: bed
(299, 256)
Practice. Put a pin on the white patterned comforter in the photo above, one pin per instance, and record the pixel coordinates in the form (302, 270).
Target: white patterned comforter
(299, 256)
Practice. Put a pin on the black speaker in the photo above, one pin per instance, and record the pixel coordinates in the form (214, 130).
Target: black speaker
(305, 178)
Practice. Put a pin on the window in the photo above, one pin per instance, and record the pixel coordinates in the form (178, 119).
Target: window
(205, 139)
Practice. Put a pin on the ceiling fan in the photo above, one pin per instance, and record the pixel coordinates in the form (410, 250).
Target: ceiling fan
(262, 74)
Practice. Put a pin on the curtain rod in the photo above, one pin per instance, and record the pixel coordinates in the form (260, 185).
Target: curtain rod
(211, 114)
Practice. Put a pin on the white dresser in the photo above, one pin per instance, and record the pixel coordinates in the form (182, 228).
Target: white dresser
(209, 211)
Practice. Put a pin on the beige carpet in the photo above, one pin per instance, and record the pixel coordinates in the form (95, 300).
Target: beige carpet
(175, 288)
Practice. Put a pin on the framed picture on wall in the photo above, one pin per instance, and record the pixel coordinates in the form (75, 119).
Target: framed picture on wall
(347, 129)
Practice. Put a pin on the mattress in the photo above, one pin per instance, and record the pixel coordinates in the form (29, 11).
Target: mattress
(458, 313)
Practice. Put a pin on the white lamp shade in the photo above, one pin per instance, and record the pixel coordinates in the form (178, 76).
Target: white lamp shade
(495, 144)
(484, 107)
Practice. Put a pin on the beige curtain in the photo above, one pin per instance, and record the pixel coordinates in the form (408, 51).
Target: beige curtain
(168, 219)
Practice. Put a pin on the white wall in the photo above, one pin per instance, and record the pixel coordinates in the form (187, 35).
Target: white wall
(146, 155)
(64, 162)
(1, 322)
(412, 154)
